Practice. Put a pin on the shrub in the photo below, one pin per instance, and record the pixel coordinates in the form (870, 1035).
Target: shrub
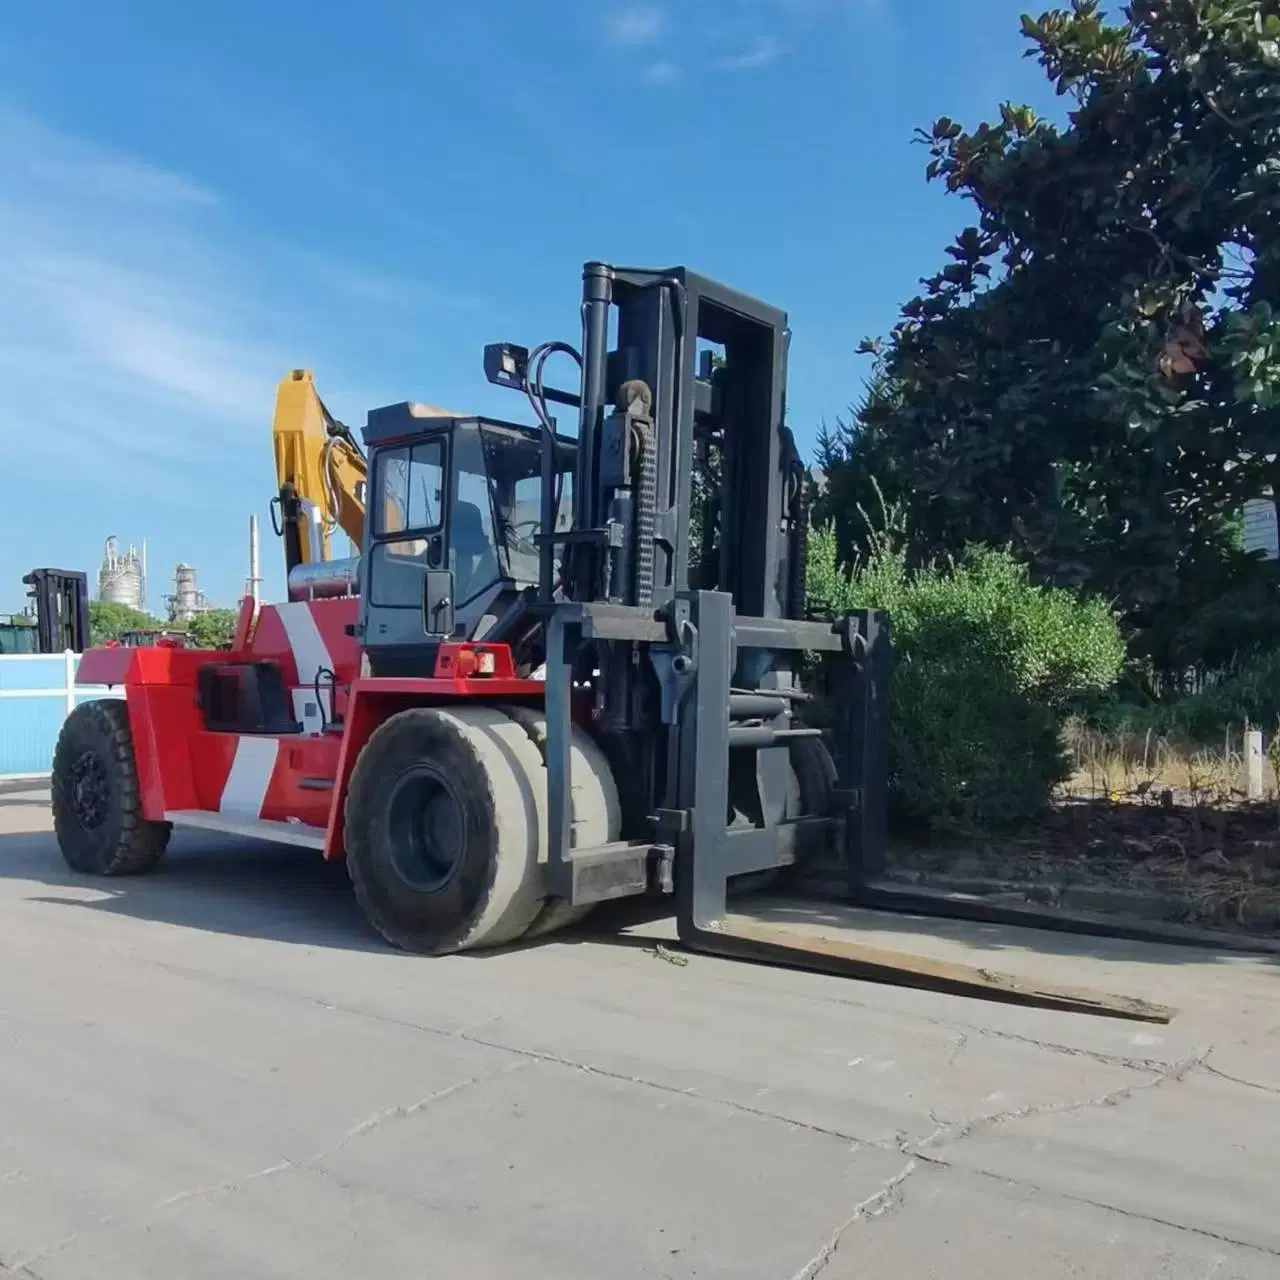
(985, 663)
(1246, 694)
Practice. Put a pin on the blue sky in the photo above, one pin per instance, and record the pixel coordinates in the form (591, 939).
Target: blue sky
(196, 198)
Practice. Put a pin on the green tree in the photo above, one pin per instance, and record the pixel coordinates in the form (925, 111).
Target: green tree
(1094, 378)
(213, 629)
(109, 621)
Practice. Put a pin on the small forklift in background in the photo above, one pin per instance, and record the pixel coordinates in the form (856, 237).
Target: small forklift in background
(57, 619)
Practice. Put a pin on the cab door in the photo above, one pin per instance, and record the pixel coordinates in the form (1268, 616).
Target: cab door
(406, 518)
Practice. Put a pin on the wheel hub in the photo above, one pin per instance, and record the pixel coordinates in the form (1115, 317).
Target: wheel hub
(90, 790)
(426, 829)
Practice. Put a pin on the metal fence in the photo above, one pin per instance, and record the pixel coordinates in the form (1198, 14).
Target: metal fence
(37, 691)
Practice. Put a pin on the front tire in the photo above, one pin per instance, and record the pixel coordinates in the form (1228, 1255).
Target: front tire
(441, 830)
(97, 806)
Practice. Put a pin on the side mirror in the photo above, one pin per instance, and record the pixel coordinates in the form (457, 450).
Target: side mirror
(437, 602)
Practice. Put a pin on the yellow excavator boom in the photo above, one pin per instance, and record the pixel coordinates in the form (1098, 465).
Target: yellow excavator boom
(320, 473)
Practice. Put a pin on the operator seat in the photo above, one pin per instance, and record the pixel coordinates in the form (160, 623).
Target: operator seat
(476, 563)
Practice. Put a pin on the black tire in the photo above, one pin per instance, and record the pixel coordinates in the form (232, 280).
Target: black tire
(813, 777)
(97, 808)
(441, 830)
(596, 816)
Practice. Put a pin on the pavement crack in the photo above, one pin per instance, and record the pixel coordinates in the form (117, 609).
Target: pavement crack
(22, 1266)
(961, 1129)
(622, 1077)
(885, 1198)
(390, 1114)
(1154, 1065)
(1135, 1215)
(1240, 1080)
(230, 1186)
(961, 1042)
(18, 1269)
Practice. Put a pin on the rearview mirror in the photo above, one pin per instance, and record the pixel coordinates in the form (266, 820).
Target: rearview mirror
(437, 602)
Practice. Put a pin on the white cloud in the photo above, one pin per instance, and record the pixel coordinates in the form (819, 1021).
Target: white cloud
(635, 25)
(740, 35)
(764, 51)
(116, 314)
(662, 72)
(144, 325)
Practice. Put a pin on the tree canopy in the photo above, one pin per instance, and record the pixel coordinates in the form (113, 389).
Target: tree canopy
(109, 621)
(213, 629)
(1094, 376)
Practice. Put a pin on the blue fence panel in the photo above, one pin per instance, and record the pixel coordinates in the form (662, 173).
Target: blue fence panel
(27, 673)
(28, 731)
(36, 692)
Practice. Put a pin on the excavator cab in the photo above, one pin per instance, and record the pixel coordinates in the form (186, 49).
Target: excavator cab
(453, 525)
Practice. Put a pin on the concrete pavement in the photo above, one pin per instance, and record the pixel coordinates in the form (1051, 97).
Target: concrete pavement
(216, 1071)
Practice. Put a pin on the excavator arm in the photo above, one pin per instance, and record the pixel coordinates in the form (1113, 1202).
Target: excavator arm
(320, 474)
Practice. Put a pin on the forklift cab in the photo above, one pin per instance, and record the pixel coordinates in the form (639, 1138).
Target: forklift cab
(453, 515)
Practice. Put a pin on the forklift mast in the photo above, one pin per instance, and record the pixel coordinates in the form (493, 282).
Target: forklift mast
(694, 688)
(737, 408)
(61, 599)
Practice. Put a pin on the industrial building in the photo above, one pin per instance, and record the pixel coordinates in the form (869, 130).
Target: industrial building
(122, 579)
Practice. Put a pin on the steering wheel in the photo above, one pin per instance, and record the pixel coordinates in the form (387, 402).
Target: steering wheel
(527, 544)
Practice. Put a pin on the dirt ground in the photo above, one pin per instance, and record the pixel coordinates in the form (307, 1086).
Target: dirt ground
(1198, 862)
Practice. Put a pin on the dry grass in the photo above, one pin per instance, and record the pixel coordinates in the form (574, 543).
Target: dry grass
(1137, 765)
(1149, 814)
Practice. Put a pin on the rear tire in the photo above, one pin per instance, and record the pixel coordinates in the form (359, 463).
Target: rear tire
(815, 779)
(97, 806)
(441, 830)
(812, 779)
(596, 814)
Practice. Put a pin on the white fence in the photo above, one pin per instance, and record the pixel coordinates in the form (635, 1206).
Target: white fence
(37, 691)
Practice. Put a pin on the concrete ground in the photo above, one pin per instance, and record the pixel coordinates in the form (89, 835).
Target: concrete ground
(215, 1072)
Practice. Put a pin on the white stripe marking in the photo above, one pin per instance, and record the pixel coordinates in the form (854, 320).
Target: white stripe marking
(310, 653)
(250, 776)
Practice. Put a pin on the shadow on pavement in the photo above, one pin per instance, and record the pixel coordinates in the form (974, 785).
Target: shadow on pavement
(210, 882)
(886, 928)
(255, 889)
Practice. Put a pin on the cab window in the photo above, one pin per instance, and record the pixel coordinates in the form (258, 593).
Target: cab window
(411, 489)
(409, 498)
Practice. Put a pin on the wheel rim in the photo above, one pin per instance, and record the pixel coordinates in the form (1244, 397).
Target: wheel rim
(90, 791)
(426, 830)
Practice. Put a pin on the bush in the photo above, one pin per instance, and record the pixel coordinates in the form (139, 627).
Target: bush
(985, 665)
(1227, 701)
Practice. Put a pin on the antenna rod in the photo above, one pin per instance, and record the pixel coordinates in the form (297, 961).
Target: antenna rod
(255, 569)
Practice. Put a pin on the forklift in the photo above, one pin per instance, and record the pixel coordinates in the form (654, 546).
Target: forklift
(534, 701)
(57, 618)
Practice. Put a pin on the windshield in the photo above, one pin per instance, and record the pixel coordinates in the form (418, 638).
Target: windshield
(513, 465)
(494, 512)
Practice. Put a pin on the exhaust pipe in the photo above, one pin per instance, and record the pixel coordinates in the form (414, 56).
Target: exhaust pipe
(325, 579)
